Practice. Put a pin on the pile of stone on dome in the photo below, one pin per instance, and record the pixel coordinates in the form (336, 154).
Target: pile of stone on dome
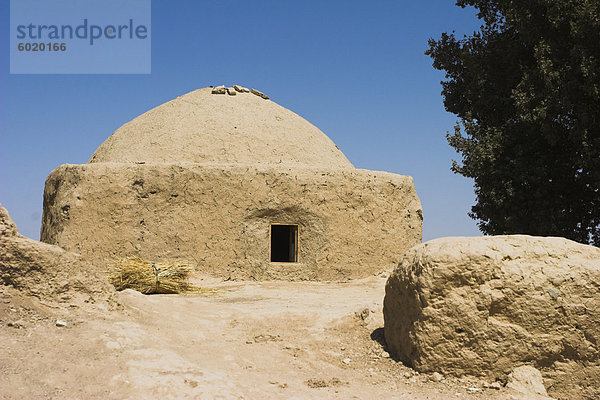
(237, 185)
(235, 89)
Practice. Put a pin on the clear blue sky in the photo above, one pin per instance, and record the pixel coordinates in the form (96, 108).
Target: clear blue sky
(355, 69)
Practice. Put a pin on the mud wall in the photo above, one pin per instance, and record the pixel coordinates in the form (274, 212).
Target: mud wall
(353, 223)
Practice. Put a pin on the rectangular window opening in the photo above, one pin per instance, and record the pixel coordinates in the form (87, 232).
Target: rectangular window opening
(284, 243)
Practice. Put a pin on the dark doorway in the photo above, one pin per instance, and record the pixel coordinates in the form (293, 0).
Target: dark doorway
(284, 243)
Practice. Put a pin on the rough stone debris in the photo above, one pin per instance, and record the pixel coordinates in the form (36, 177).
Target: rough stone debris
(48, 272)
(436, 377)
(219, 90)
(60, 323)
(241, 89)
(260, 94)
(483, 305)
(174, 184)
(527, 380)
(231, 91)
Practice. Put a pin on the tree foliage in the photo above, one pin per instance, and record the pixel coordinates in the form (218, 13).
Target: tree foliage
(526, 89)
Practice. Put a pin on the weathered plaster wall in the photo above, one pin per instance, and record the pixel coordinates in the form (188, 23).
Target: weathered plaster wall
(353, 223)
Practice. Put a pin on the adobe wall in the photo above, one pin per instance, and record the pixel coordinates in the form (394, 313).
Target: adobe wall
(353, 223)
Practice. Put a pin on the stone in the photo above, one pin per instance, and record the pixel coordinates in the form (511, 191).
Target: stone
(495, 385)
(363, 314)
(219, 90)
(480, 306)
(260, 94)
(241, 89)
(346, 361)
(16, 324)
(436, 377)
(526, 380)
(61, 323)
(231, 91)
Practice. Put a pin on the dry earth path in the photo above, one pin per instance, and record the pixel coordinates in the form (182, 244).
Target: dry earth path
(244, 340)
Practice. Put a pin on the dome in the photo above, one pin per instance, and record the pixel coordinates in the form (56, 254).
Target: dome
(202, 127)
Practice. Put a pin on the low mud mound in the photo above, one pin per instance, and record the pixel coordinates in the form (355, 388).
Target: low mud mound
(48, 272)
(487, 305)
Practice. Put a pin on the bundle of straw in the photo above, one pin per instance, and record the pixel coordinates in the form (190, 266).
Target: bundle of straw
(148, 277)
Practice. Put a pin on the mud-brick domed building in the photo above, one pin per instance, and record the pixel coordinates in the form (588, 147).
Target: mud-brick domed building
(236, 184)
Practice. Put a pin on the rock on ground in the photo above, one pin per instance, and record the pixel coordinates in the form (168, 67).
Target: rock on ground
(527, 380)
(485, 305)
(48, 272)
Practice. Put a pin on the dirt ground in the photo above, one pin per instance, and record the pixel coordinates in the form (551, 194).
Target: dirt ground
(244, 340)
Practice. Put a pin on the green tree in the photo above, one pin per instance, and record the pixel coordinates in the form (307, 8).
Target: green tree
(526, 89)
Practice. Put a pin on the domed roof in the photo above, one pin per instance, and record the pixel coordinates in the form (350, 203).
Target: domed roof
(203, 127)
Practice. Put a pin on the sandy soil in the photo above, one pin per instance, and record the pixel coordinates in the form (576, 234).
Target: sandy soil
(244, 340)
